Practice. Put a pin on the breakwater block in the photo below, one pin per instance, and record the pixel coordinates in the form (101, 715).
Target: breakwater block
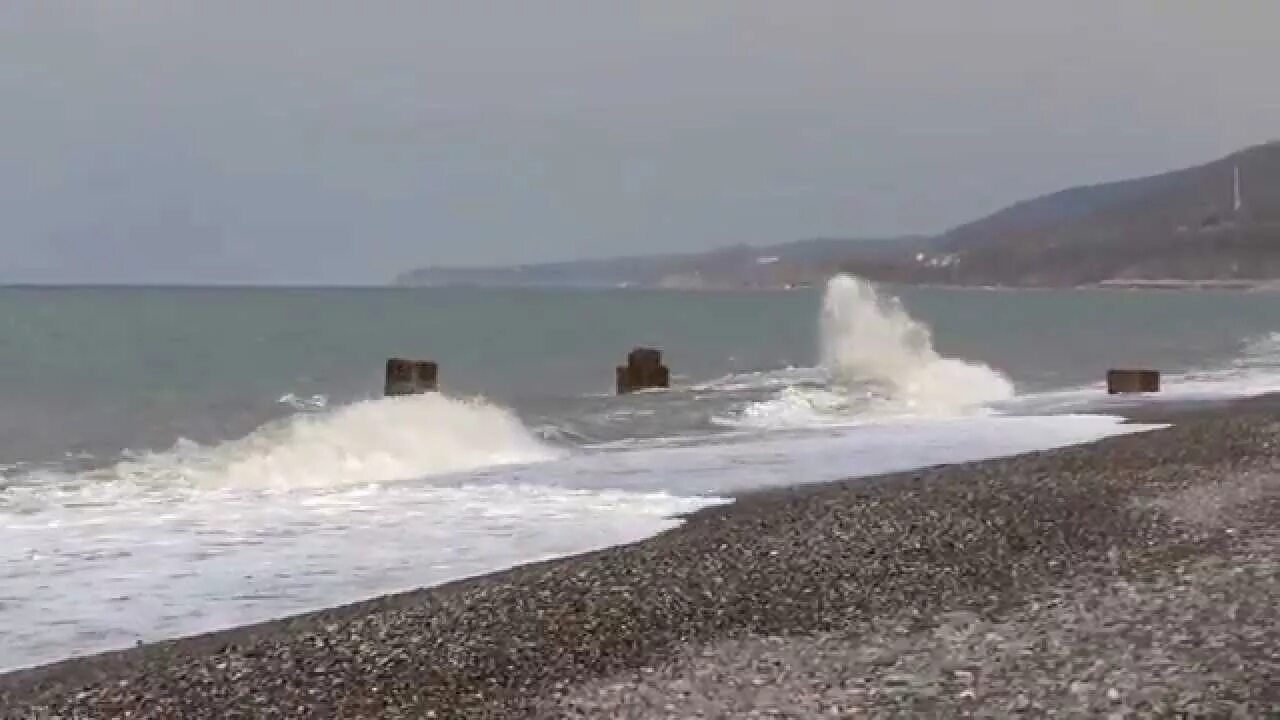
(644, 369)
(1132, 381)
(410, 377)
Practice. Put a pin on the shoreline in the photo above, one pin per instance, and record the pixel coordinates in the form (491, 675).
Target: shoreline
(504, 642)
(1233, 286)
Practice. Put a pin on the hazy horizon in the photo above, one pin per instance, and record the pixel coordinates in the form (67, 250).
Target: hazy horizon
(239, 144)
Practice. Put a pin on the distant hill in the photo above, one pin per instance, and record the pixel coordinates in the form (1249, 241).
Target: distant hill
(740, 266)
(1176, 226)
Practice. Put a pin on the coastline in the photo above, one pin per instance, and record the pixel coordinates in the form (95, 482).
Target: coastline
(1242, 286)
(805, 560)
(1261, 286)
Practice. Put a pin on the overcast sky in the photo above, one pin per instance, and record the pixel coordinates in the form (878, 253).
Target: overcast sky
(343, 142)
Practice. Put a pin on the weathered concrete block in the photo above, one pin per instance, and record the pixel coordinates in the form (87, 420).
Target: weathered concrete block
(1132, 381)
(644, 369)
(410, 377)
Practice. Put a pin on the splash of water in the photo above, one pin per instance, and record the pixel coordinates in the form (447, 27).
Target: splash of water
(868, 340)
(876, 362)
(364, 443)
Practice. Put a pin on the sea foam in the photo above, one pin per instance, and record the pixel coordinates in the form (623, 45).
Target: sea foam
(366, 442)
(876, 361)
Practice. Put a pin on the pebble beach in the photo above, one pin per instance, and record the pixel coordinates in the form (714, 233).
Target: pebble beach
(1134, 577)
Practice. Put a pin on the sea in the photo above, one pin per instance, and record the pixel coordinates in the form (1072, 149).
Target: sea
(178, 460)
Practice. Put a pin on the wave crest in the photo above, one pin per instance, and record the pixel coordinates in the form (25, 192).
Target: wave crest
(366, 442)
(871, 343)
(876, 361)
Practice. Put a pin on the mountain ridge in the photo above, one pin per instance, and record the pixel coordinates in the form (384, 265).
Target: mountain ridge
(1179, 226)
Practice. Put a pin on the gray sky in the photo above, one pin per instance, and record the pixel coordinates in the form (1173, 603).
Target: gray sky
(321, 142)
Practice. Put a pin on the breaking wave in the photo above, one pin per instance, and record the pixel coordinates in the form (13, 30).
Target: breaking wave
(367, 442)
(875, 360)
(870, 339)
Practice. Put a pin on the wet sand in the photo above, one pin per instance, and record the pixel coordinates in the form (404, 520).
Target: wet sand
(1136, 575)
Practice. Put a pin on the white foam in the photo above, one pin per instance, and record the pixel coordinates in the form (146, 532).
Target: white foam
(84, 578)
(869, 339)
(367, 442)
(304, 402)
(1255, 372)
(783, 458)
(312, 510)
(762, 380)
(801, 406)
(877, 363)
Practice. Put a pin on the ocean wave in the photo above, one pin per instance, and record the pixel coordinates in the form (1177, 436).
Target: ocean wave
(876, 362)
(869, 339)
(367, 442)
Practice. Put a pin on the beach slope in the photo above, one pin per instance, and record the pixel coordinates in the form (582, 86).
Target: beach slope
(1137, 574)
